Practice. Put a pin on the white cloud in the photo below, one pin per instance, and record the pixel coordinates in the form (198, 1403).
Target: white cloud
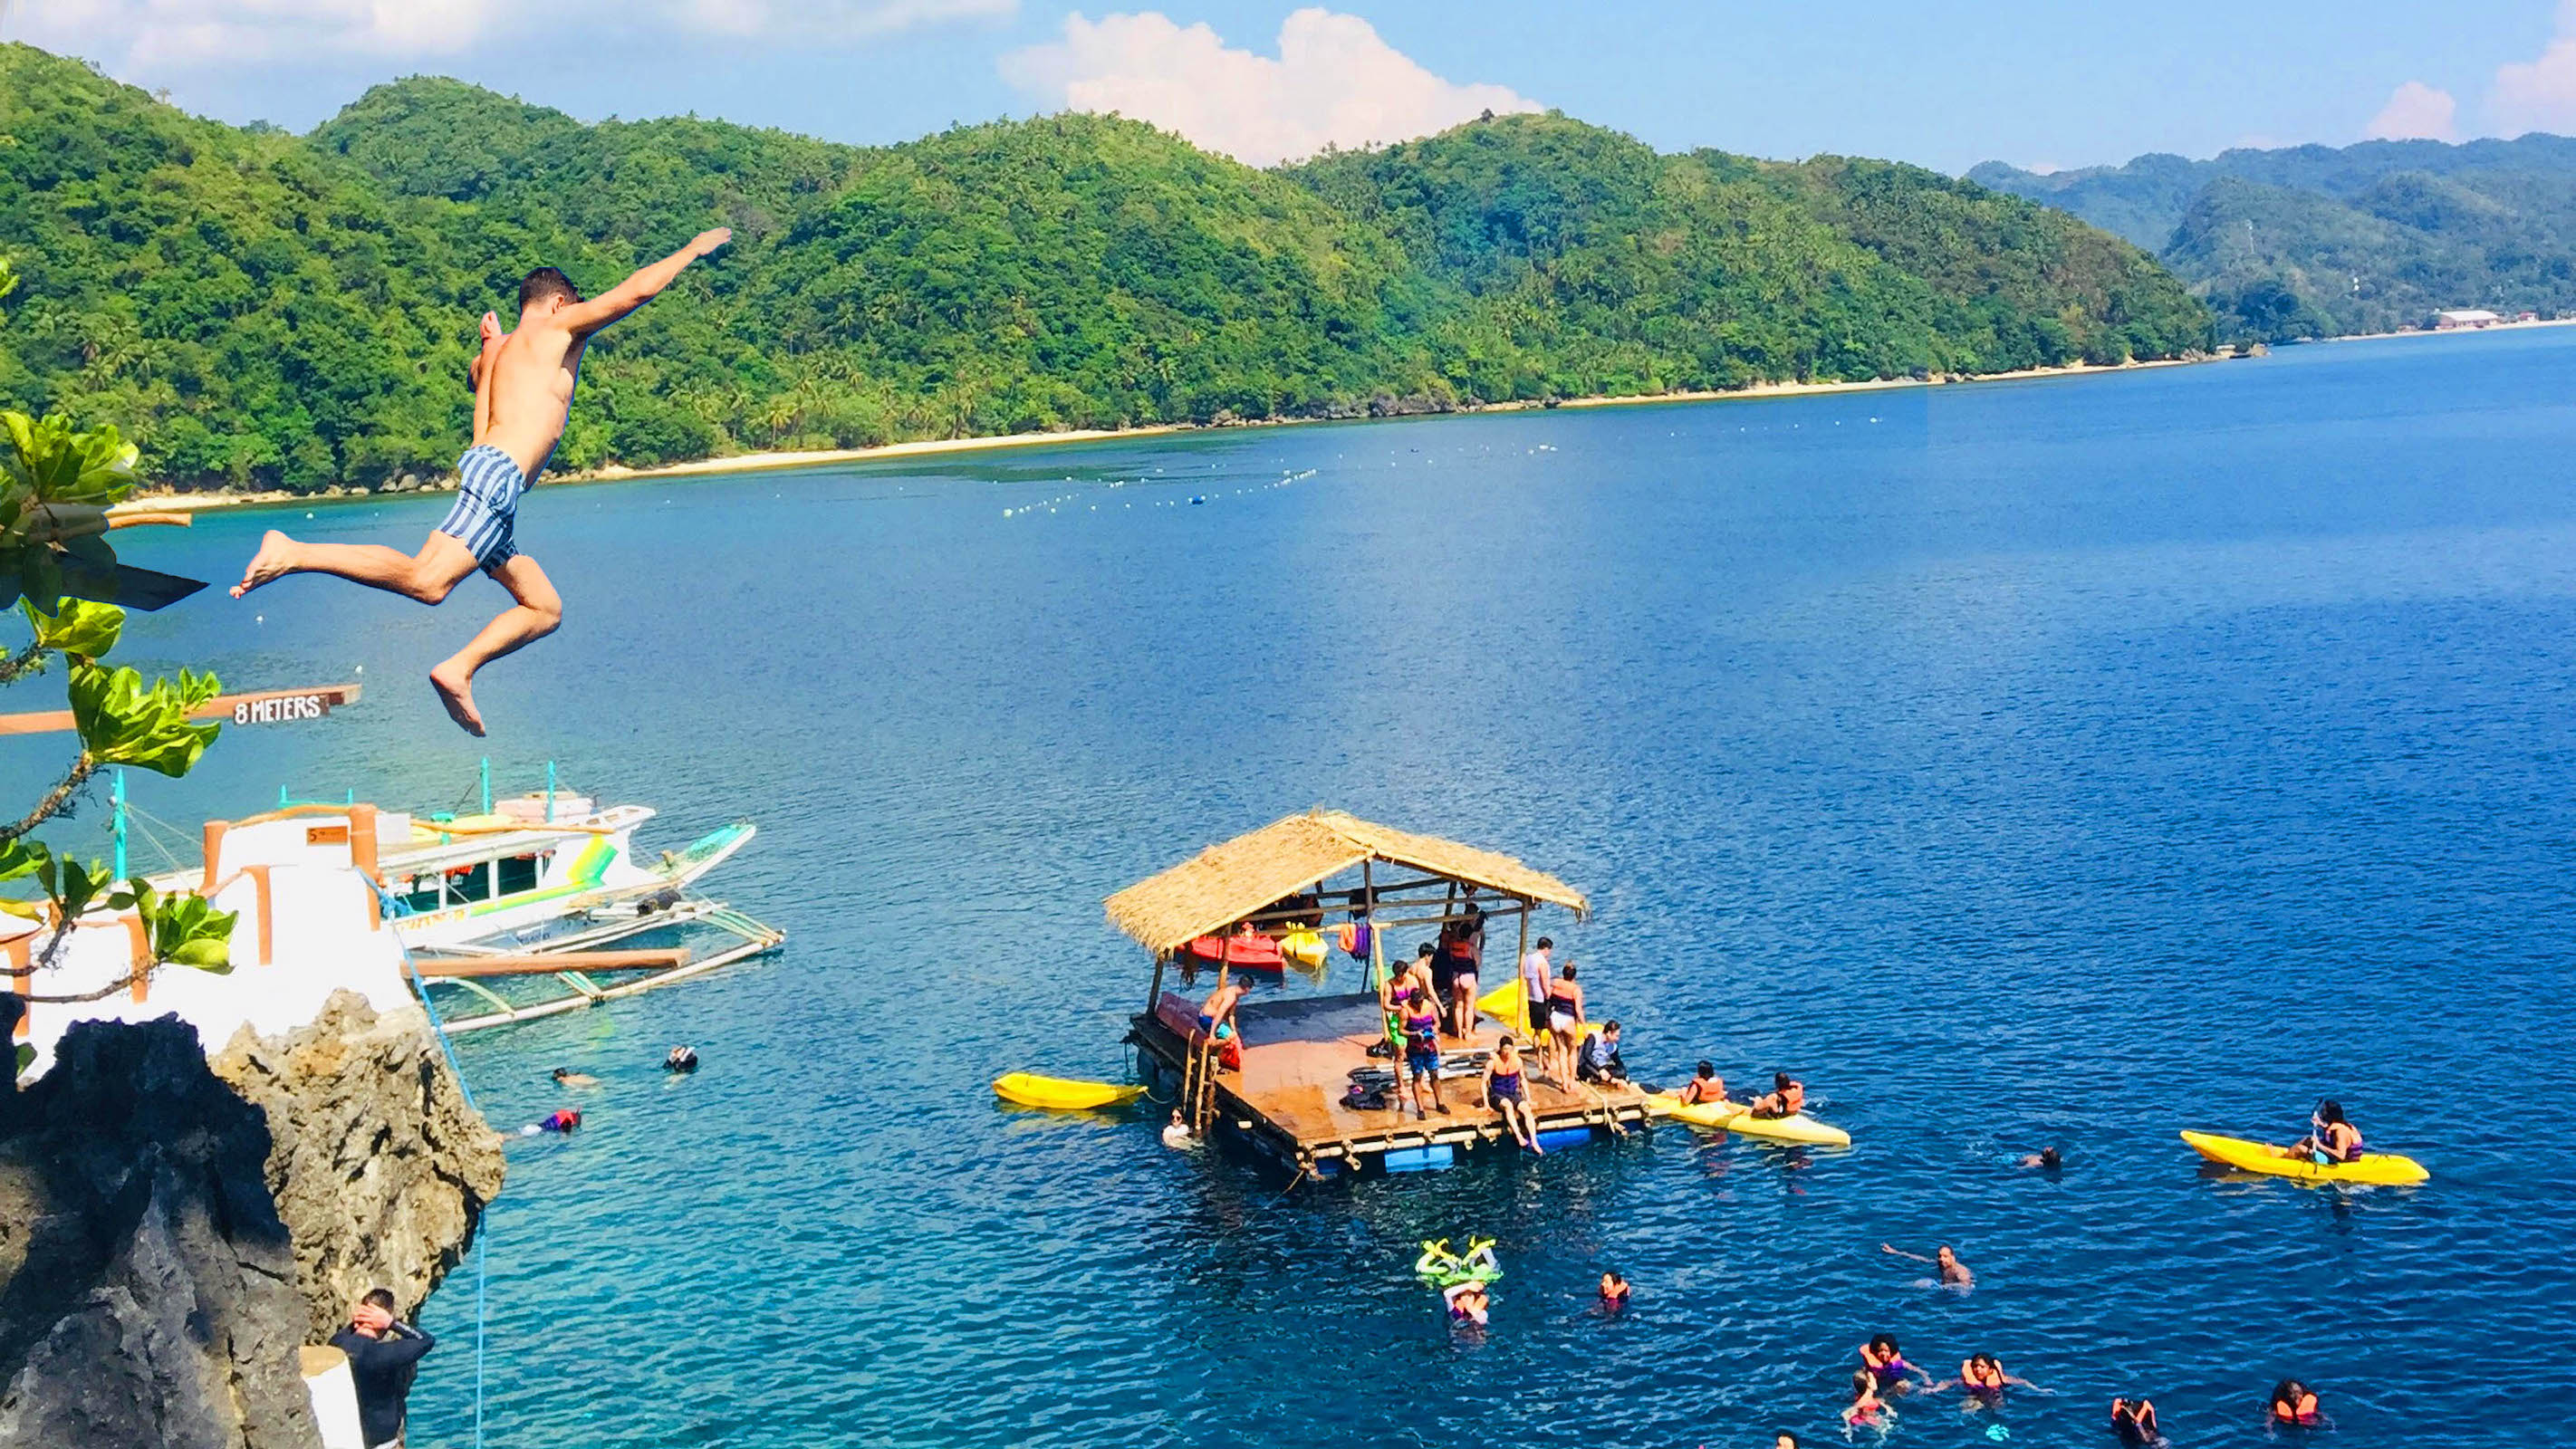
(163, 36)
(1335, 83)
(2416, 111)
(2539, 95)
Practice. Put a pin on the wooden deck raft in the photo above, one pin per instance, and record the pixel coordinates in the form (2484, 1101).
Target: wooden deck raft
(1287, 1100)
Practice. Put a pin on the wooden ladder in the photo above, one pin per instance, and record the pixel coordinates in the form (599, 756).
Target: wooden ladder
(1198, 1083)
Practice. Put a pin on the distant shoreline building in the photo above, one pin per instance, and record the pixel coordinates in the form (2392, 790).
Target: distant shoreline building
(2463, 319)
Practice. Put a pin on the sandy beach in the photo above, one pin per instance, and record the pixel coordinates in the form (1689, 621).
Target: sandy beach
(164, 502)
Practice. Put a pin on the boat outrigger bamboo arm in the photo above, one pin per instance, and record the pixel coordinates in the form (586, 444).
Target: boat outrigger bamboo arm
(62, 522)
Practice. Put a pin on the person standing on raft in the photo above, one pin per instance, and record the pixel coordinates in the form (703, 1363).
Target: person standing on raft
(523, 386)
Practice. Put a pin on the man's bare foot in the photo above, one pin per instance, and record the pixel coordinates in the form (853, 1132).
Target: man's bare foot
(275, 557)
(456, 691)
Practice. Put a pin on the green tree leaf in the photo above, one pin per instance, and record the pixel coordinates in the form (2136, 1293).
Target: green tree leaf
(121, 722)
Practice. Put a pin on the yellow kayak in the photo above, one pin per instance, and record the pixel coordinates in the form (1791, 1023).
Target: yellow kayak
(1735, 1117)
(2377, 1169)
(1030, 1090)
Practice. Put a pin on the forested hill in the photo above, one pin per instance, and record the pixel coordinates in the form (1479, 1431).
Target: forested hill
(2319, 241)
(269, 309)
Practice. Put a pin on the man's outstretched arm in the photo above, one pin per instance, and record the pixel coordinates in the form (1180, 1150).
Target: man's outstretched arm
(585, 318)
(479, 374)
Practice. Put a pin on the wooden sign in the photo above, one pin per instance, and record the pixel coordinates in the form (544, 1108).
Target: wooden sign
(264, 706)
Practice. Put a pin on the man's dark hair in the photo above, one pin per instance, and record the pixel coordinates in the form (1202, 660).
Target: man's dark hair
(1545, 944)
(1610, 1027)
(546, 282)
(381, 1298)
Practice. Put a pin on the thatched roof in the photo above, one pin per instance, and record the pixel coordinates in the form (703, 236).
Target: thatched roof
(1231, 881)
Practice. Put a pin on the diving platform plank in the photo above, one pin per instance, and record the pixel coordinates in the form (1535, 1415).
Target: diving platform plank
(1298, 1053)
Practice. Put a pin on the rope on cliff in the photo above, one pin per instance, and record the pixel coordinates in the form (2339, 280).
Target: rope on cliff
(483, 1225)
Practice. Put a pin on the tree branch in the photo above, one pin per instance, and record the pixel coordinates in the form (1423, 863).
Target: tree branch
(54, 801)
(30, 660)
(101, 994)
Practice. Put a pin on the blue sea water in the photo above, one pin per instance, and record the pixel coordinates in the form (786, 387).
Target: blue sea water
(2063, 762)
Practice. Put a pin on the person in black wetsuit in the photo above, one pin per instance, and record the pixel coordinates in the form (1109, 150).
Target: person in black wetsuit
(384, 1352)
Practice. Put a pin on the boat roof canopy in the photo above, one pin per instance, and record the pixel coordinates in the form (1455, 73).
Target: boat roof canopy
(1229, 882)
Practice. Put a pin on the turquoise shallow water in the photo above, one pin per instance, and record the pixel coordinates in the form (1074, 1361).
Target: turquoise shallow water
(2065, 762)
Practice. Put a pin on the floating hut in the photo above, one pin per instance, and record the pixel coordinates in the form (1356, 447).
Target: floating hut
(1287, 1090)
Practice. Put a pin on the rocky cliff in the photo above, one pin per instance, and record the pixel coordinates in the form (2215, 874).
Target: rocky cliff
(379, 1168)
(171, 1231)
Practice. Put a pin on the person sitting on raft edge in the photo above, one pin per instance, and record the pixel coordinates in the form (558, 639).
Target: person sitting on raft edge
(1705, 1086)
(1597, 1060)
(1787, 1097)
(1508, 1095)
(2331, 1137)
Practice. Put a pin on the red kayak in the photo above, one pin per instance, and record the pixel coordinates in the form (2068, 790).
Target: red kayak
(1243, 953)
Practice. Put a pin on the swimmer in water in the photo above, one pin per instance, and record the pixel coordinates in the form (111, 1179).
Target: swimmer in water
(1787, 1097)
(1784, 1440)
(567, 1077)
(1866, 1409)
(2133, 1422)
(1468, 1302)
(562, 1119)
(1984, 1378)
(1954, 1274)
(1886, 1362)
(1614, 1292)
(682, 1059)
(2294, 1405)
(1705, 1085)
(1176, 1133)
(2045, 1159)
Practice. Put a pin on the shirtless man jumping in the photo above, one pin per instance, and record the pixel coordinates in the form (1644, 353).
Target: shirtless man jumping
(523, 384)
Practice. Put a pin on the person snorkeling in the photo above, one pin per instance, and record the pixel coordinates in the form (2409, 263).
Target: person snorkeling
(2133, 1422)
(562, 1119)
(1886, 1363)
(567, 1077)
(2331, 1137)
(2294, 1406)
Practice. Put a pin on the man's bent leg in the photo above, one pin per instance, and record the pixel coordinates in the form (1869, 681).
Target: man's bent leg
(536, 614)
(442, 563)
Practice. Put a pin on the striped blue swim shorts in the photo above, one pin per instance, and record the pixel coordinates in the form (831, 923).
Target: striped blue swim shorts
(486, 514)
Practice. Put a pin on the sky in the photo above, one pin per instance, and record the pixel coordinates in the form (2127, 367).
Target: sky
(2046, 84)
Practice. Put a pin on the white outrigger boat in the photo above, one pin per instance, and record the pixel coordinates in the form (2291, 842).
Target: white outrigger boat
(494, 903)
(494, 917)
